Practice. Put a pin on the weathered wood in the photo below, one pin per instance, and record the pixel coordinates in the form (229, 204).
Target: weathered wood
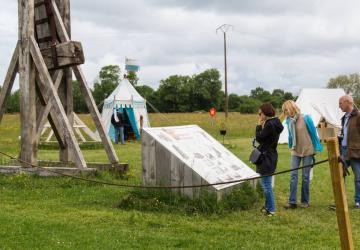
(9, 80)
(68, 54)
(196, 180)
(51, 96)
(82, 125)
(148, 160)
(42, 31)
(188, 181)
(176, 173)
(43, 113)
(27, 82)
(80, 135)
(68, 102)
(46, 171)
(66, 88)
(49, 136)
(342, 211)
(162, 165)
(62, 31)
(51, 114)
(109, 149)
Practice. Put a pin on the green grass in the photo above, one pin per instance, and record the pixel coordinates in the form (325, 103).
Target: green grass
(61, 213)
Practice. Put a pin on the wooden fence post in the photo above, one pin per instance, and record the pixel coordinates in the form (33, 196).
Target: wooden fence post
(342, 211)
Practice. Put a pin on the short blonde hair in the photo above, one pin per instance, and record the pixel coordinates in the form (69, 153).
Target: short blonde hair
(291, 107)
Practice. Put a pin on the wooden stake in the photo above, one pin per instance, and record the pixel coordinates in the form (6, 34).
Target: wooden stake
(342, 211)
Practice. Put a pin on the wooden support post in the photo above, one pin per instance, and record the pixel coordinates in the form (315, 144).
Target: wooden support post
(64, 36)
(342, 211)
(51, 96)
(27, 83)
(48, 113)
(9, 80)
(95, 115)
(43, 113)
(66, 88)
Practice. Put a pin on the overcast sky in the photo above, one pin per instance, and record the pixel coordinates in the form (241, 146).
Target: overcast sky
(274, 43)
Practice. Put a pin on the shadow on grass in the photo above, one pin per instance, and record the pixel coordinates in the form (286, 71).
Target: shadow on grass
(240, 198)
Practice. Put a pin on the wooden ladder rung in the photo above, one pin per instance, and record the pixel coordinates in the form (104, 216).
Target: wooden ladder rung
(45, 39)
(41, 21)
(39, 4)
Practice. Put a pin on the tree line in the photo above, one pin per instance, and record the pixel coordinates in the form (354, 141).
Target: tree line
(198, 92)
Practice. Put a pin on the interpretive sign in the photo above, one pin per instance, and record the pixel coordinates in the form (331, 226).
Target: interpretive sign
(169, 153)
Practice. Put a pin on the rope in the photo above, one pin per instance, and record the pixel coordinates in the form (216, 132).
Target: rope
(158, 111)
(161, 187)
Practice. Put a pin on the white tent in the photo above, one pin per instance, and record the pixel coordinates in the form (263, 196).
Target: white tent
(320, 104)
(128, 100)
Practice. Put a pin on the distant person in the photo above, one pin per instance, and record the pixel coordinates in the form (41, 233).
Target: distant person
(350, 140)
(117, 120)
(267, 135)
(303, 142)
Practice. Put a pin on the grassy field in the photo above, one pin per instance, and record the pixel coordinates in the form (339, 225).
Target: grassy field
(60, 213)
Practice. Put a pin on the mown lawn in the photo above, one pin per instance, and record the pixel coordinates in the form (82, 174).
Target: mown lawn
(61, 213)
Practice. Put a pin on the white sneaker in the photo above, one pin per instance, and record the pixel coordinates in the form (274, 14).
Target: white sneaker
(357, 205)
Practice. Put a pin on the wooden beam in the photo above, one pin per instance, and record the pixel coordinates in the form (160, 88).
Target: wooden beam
(82, 125)
(68, 54)
(78, 132)
(66, 88)
(342, 211)
(61, 29)
(52, 96)
(48, 113)
(109, 149)
(9, 80)
(27, 83)
(43, 114)
(95, 115)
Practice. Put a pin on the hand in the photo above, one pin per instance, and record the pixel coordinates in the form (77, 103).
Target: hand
(261, 122)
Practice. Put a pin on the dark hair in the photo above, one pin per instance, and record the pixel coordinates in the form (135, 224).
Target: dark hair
(267, 109)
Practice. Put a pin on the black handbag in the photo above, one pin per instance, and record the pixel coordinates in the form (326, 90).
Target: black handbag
(255, 154)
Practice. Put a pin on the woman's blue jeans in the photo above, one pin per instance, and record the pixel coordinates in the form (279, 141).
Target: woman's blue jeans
(305, 183)
(266, 182)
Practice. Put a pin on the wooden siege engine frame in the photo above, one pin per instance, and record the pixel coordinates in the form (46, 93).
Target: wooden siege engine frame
(45, 58)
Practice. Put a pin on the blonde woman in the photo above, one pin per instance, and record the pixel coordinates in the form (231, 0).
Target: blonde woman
(303, 142)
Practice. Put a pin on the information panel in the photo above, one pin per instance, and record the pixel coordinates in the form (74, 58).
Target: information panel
(202, 153)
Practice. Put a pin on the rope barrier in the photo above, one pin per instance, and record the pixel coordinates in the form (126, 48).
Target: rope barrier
(161, 187)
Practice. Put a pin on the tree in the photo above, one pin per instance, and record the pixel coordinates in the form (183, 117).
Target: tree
(145, 91)
(13, 102)
(234, 102)
(109, 79)
(248, 105)
(174, 94)
(132, 77)
(206, 90)
(350, 83)
(279, 96)
(79, 100)
(260, 94)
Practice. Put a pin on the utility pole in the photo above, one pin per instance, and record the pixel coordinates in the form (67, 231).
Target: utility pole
(224, 28)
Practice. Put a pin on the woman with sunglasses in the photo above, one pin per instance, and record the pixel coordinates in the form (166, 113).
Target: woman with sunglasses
(303, 142)
(267, 135)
